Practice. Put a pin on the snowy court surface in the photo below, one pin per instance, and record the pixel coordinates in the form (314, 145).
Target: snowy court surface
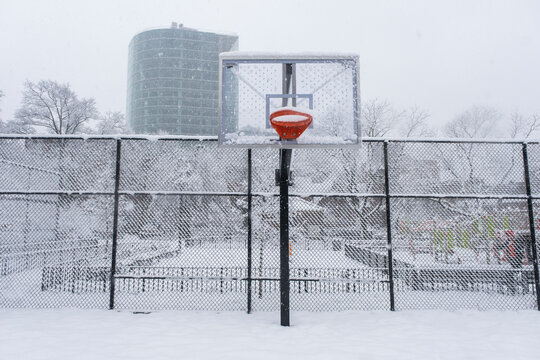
(101, 334)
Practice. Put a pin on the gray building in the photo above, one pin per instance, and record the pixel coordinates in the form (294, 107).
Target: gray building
(173, 77)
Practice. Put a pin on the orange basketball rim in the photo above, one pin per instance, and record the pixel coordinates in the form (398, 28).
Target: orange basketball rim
(289, 123)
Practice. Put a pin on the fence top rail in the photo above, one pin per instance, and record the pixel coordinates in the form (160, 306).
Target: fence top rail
(451, 140)
(108, 137)
(214, 138)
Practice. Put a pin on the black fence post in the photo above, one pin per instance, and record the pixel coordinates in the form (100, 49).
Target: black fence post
(115, 224)
(531, 224)
(388, 228)
(249, 242)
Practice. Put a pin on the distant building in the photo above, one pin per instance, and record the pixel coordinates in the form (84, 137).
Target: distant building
(173, 79)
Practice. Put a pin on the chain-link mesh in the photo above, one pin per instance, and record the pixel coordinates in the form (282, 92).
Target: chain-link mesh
(55, 250)
(56, 210)
(182, 166)
(182, 236)
(67, 165)
(327, 235)
(534, 168)
(534, 176)
(326, 172)
(462, 253)
(469, 252)
(459, 222)
(182, 252)
(330, 220)
(536, 219)
(456, 168)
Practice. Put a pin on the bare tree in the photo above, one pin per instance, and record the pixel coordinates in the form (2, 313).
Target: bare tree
(523, 127)
(378, 118)
(414, 123)
(2, 125)
(1, 96)
(466, 159)
(55, 107)
(113, 122)
(476, 122)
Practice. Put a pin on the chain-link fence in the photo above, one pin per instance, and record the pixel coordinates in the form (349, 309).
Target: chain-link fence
(142, 224)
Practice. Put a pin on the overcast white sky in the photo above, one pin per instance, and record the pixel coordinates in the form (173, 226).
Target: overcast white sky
(444, 56)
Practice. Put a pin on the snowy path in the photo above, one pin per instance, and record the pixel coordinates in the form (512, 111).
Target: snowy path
(101, 334)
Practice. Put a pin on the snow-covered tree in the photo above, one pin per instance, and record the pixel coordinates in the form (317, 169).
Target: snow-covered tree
(1, 96)
(480, 122)
(54, 106)
(378, 118)
(476, 122)
(522, 126)
(12, 126)
(2, 124)
(112, 122)
(15, 127)
(465, 163)
(414, 123)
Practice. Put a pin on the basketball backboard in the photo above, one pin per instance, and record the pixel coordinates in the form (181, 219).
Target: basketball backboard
(253, 86)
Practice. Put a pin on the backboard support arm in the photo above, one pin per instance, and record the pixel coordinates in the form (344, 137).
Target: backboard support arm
(289, 83)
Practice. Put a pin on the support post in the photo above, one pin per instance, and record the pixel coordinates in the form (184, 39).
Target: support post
(115, 225)
(249, 242)
(288, 86)
(532, 229)
(284, 282)
(388, 228)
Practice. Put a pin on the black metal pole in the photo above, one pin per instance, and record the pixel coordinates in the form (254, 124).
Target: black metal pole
(284, 284)
(293, 83)
(286, 82)
(389, 228)
(532, 230)
(115, 224)
(249, 243)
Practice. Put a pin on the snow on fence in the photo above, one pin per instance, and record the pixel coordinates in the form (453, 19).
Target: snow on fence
(158, 223)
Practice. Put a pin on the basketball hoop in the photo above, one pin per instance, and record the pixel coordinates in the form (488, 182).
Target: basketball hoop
(249, 89)
(290, 123)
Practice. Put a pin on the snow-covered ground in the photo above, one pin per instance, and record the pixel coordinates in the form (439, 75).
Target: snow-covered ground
(102, 334)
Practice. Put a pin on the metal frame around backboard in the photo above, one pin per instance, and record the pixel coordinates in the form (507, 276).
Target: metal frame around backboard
(235, 58)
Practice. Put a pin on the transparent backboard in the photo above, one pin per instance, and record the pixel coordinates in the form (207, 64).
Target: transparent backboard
(253, 85)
